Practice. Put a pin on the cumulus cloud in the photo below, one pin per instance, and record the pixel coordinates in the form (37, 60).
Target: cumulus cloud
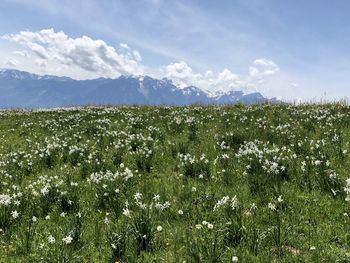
(262, 68)
(50, 52)
(183, 75)
(83, 52)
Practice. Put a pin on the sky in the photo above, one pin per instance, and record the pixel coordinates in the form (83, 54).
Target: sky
(290, 49)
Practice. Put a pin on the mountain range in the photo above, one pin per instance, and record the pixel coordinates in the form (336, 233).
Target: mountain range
(19, 89)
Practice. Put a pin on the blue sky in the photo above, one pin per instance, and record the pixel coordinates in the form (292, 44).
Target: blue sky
(294, 49)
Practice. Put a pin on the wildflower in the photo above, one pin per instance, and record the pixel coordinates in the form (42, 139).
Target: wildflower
(180, 212)
(126, 212)
(210, 226)
(234, 259)
(234, 202)
(68, 239)
(280, 200)
(51, 239)
(272, 206)
(156, 198)
(138, 196)
(44, 191)
(5, 200)
(159, 228)
(221, 202)
(34, 219)
(14, 214)
(253, 207)
(199, 226)
(312, 248)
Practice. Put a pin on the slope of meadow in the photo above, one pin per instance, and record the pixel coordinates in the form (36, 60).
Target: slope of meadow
(175, 184)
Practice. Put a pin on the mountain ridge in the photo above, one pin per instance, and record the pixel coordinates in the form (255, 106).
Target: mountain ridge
(24, 89)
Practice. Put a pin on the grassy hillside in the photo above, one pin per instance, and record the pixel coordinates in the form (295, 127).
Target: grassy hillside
(175, 184)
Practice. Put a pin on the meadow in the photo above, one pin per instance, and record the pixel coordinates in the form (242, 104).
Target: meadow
(265, 183)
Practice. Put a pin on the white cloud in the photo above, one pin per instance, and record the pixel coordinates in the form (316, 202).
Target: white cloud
(137, 55)
(183, 75)
(83, 53)
(262, 68)
(124, 45)
(12, 62)
(22, 53)
(41, 63)
(50, 52)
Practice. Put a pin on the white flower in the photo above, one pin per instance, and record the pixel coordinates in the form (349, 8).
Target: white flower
(68, 239)
(312, 248)
(138, 196)
(34, 219)
(156, 198)
(44, 191)
(234, 202)
(63, 214)
(199, 226)
(47, 217)
(14, 214)
(234, 259)
(126, 212)
(210, 226)
(253, 207)
(180, 212)
(5, 200)
(51, 239)
(280, 200)
(221, 202)
(272, 206)
(159, 228)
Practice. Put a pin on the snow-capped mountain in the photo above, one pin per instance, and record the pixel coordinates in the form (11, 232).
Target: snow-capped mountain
(23, 89)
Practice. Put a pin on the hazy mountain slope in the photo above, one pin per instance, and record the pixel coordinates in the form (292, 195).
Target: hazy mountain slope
(22, 89)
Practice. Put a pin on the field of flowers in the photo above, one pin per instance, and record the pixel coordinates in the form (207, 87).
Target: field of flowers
(175, 184)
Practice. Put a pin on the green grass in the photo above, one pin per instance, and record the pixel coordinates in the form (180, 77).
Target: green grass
(175, 184)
